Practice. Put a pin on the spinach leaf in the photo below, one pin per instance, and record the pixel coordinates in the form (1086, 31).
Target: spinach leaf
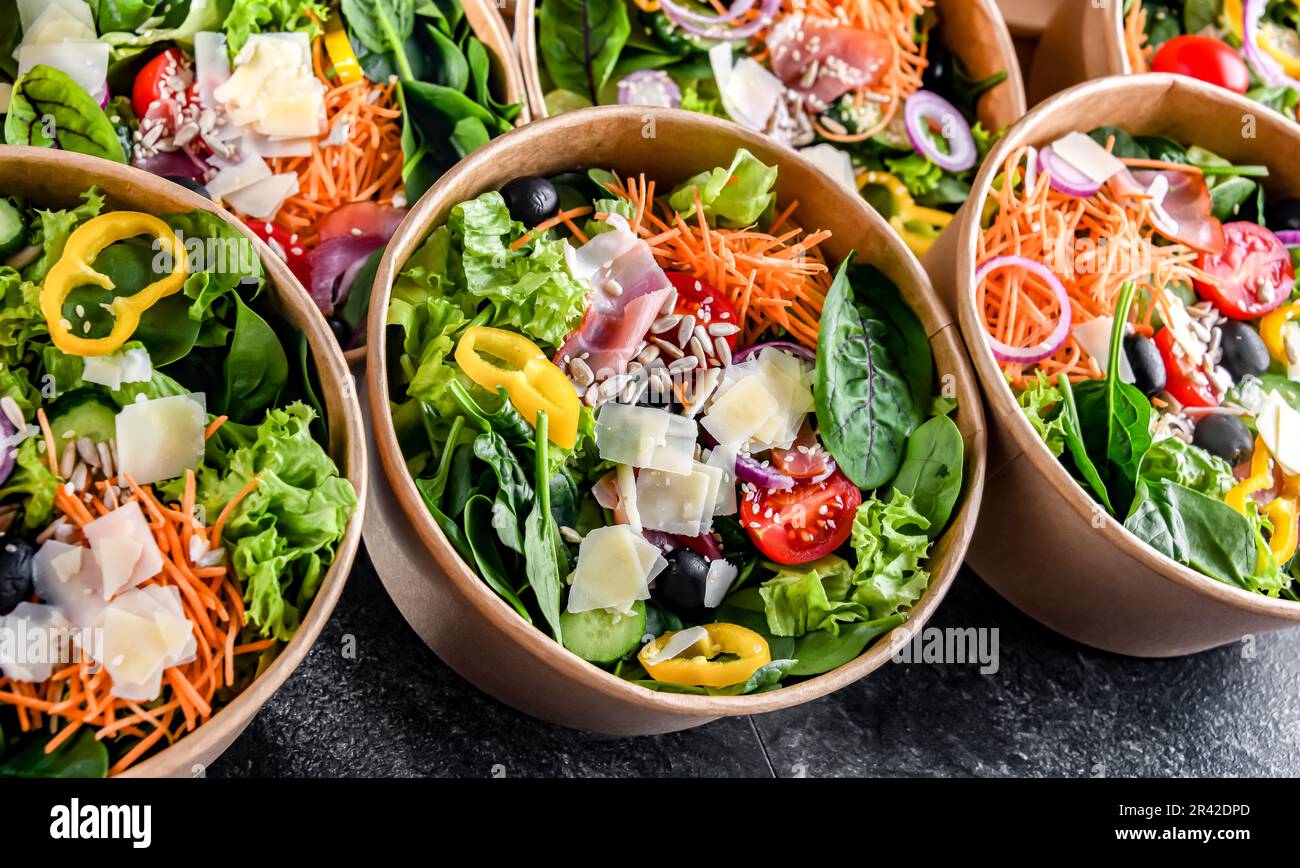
(907, 342)
(1126, 147)
(256, 368)
(514, 493)
(581, 41)
(482, 542)
(1199, 15)
(1074, 442)
(383, 26)
(821, 651)
(120, 15)
(931, 472)
(357, 303)
(83, 756)
(11, 33)
(864, 406)
(543, 551)
(766, 677)
(48, 109)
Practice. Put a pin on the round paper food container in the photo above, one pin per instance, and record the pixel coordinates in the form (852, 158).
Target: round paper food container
(56, 179)
(507, 79)
(460, 617)
(973, 30)
(1041, 542)
(1083, 40)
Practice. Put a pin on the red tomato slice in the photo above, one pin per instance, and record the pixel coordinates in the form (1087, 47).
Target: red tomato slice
(369, 217)
(1180, 382)
(153, 95)
(803, 524)
(702, 301)
(287, 245)
(805, 459)
(1206, 58)
(1254, 272)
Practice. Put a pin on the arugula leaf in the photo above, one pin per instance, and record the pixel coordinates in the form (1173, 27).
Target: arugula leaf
(581, 41)
(49, 109)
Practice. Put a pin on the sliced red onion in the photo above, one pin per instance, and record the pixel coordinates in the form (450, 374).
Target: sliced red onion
(1289, 237)
(924, 106)
(1265, 66)
(178, 164)
(649, 87)
(329, 261)
(7, 450)
(763, 475)
(1028, 355)
(1065, 178)
(787, 346)
(703, 545)
(739, 8)
(766, 15)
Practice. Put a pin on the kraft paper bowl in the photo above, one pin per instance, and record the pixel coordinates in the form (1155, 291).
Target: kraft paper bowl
(459, 616)
(56, 179)
(1041, 543)
(485, 20)
(1083, 40)
(973, 30)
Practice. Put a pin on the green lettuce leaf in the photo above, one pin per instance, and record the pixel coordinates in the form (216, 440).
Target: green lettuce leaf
(889, 576)
(809, 597)
(22, 324)
(1039, 403)
(272, 16)
(55, 227)
(725, 202)
(1187, 465)
(34, 482)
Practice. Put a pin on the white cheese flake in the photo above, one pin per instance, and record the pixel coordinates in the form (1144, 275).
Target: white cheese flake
(614, 569)
(161, 438)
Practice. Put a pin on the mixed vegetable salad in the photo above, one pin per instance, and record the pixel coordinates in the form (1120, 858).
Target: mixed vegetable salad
(1141, 297)
(665, 430)
(1251, 47)
(167, 511)
(316, 122)
(861, 87)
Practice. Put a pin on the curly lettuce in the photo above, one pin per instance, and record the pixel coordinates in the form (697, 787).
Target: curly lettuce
(734, 196)
(1039, 403)
(22, 325)
(272, 16)
(808, 597)
(889, 576)
(33, 482)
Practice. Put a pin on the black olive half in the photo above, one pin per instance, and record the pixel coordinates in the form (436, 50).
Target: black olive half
(681, 585)
(1225, 436)
(342, 331)
(531, 199)
(1243, 351)
(1148, 367)
(15, 572)
(1283, 214)
(189, 184)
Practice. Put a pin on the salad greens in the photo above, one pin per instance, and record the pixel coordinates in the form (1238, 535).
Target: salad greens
(619, 453)
(168, 508)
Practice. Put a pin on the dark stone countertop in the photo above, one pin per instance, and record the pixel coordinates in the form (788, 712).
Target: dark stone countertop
(1053, 708)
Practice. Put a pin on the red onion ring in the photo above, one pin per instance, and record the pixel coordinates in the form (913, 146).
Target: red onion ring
(1289, 237)
(739, 8)
(1028, 355)
(1265, 66)
(924, 106)
(649, 87)
(764, 476)
(766, 15)
(790, 347)
(7, 452)
(1066, 179)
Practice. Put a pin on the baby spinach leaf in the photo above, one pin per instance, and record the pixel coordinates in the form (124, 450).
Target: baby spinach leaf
(581, 41)
(864, 406)
(821, 651)
(544, 553)
(907, 342)
(483, 544)
(514, 493)
(1074, 442)
(256, 368)
(766, 677)
(383, 26)
(83, 756)
(931, 472)
(49, 109)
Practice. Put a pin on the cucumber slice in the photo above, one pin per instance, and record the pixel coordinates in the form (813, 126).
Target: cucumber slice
(81, 414)
(600, 637)
(13, 232)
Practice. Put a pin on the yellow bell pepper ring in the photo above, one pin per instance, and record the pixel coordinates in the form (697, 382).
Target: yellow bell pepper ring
(1260, 479)
(342, 57)
(906, 211)
(1272, 328)
(75, 268)
(496, 358)
(1284, 514)
(696, 666)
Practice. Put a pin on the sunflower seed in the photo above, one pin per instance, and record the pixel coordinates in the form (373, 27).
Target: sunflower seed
(105, 460)
(669, 349)
(570, 535)
(685, 329)
(581, 373)
(723, 350)
(68, 460)
(80, 476)
(703, 335)
(665, 323)
(86, 449)
(686, 363)
(699, 348)
(723, 329)
(649, 354)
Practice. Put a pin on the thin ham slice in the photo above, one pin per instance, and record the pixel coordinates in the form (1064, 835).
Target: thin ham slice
(1185, 213)
(823, 61)
(628, 289)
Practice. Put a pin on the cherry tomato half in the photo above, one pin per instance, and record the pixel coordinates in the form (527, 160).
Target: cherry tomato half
(699, 299)
(805, 459)
(287, 245)
(1254, 272)
(1181, 376)
(1206, 58)
(151, 89)
(804, 523)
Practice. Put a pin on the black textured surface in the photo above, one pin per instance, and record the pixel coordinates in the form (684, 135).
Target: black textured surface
(372, 700)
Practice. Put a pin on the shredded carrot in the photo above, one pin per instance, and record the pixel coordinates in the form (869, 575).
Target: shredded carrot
(51, 447)
(214, 425)
(1134, 163)
(1135, 38)
(230, 508)
(565, 217)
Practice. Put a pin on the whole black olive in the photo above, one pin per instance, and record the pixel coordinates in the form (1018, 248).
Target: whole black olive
(935, 76)
(1283, 214)
(342, 331)
(1225, 436)
(1243, 351)
(15, 572)
(1148, 368)
(531, 199)
(682, 584)
(189, 184)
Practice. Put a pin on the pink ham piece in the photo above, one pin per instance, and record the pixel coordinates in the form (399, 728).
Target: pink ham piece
(1184, 214)
(823, 61)
(628, 288)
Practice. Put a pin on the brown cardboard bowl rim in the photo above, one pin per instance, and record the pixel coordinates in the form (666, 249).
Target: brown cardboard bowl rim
(485, 21)
(526, 43)
(539, 644)
(122, 182)
(998, 393)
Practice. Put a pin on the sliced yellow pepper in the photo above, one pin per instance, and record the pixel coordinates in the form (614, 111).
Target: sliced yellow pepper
(75, 268)
(1260, 479)
(343, 58)
(1283, 44)
(496, 358)
(1283, 512)
(695, 667)
(1272, 328)
(647, 5)
(906, 211)
(1232, 16)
